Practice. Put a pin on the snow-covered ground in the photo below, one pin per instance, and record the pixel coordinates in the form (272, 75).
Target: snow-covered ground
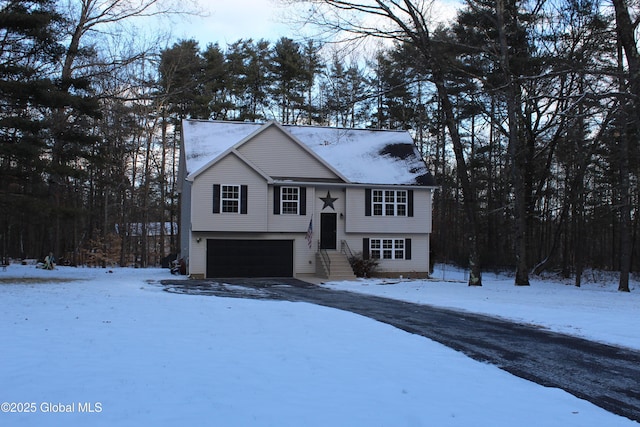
(96, 347)
(596, 310)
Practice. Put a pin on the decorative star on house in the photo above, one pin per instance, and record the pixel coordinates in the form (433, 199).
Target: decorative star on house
(328, 201)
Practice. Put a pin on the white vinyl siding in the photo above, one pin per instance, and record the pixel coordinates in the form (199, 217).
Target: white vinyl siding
(417, 262)
(229, 171)
(278, 222)
(356, 220)
(278, 156)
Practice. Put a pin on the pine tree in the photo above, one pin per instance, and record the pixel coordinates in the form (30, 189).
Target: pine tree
(181, 77)
(29, 32)
(288, 74)
(214, 86)
(258, 79)
(312, 66)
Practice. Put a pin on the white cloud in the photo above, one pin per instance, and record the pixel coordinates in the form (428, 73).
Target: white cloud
(227, 21)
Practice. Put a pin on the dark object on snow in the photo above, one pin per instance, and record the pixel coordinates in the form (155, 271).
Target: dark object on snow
(179, 267)
(404, 151)
(168, 261)
(49, 262)
(400, 151)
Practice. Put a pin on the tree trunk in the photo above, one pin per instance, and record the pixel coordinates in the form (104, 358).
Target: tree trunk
(516, 153)
(163, 185)
(626, 39)
(625, 214)
(468, 187)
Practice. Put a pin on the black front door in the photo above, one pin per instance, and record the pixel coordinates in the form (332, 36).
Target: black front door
(328, 230)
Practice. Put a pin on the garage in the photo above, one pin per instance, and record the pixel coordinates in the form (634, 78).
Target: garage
(249, 258)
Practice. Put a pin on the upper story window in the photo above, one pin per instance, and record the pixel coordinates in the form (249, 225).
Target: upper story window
(290, 200)
(389, 202)
(230, 198)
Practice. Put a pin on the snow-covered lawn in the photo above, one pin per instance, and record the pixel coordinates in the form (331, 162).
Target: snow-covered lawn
(114, 343)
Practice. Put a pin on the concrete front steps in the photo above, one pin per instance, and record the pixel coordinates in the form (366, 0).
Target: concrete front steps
(339, 267)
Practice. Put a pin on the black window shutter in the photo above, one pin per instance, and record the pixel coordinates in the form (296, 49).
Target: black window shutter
(276, 200)
(367, 202)
(410, 203)
(407, 248)
(244, 192)
(303, 200)
(216, 198)
(365, 248)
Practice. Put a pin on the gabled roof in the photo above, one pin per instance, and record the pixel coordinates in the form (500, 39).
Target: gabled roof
(301, 144)
(361, 156)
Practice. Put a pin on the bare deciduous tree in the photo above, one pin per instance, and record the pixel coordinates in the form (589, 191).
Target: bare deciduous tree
(409, 21)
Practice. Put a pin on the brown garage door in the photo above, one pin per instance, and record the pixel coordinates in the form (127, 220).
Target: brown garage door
(249, 258)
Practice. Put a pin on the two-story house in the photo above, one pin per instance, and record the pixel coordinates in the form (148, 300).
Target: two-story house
(271, 200)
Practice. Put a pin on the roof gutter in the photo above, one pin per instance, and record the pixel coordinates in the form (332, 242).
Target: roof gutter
(351, 184)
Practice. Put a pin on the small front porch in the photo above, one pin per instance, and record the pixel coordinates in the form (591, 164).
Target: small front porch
(334, 265)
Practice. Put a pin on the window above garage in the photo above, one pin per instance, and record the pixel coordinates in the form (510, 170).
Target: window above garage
(290, 200)
(230, 198)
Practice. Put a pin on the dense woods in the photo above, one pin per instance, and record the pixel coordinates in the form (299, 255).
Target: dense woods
(526, 112)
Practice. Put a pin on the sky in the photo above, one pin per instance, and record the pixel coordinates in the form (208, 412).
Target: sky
(227, 21)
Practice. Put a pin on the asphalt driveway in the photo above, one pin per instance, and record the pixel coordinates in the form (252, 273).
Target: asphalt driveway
(606, 376)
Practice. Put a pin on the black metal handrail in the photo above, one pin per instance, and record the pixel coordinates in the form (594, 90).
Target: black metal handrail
(325, 258)
(345, 249)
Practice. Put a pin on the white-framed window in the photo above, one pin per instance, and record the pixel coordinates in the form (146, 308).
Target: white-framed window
(389, 202)
(229, 198)
(290, 200)
(387, 248)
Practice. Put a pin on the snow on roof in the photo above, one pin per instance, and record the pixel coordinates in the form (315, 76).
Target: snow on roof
(361, 155)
